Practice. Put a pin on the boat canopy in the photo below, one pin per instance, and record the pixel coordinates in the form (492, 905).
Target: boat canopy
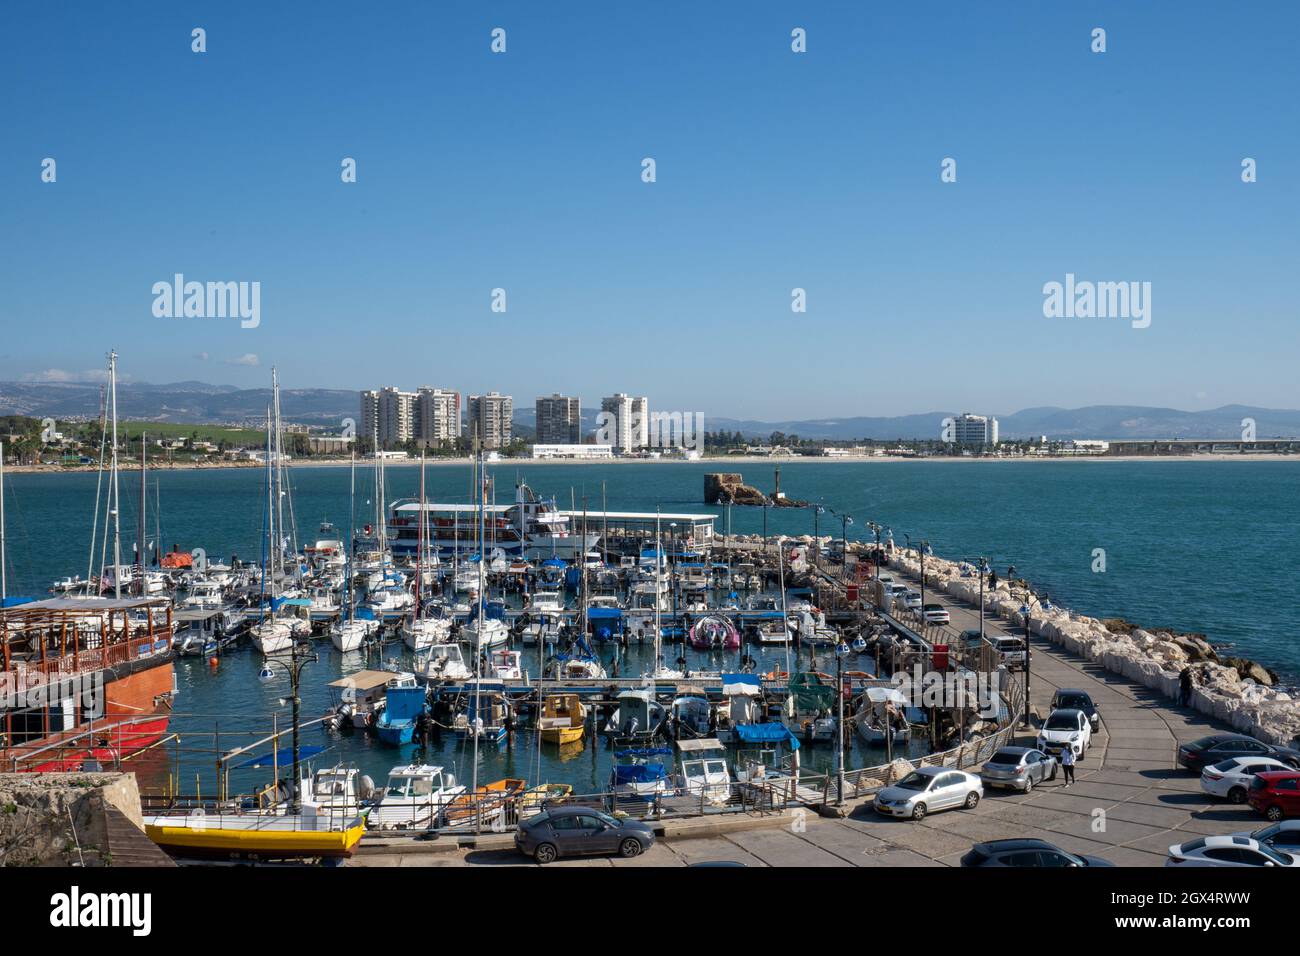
(768, 733)
(810, 693)
(364, 680)
(644, 752)
(699, 745)
(604, 613)
(282, 757)
(741, 685)
(880, 695)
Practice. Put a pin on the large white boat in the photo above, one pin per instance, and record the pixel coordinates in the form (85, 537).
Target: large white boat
(530, 528)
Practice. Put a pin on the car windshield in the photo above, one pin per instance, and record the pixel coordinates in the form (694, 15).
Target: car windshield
(1203, 742)
(1223, 766)
(1065, 721)
(1281, 859)
(914, 781)
(934, 607)
(1266, 833)
(1072, 700)
(1007, 757)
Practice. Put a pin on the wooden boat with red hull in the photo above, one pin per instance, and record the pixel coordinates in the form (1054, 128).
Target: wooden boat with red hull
(83, 681)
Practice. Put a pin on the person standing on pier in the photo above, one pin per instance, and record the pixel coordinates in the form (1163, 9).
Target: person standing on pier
(1067, 764)
(1185, 685)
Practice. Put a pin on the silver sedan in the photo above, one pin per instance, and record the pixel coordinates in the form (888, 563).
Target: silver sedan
(928, 789)
(1019, 768)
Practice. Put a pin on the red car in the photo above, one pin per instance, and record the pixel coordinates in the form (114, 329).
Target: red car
(1276, 794)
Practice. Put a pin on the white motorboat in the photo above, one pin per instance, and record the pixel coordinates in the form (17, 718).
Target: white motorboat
(414, 796)
(442, 662)
(505, 665)
(422, 633)
(703, 774)
(486, 633)
(351, 635)
(547, 601)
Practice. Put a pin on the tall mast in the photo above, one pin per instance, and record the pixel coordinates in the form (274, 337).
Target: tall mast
(4, 584)
(419, 538)
(352, 521)
(140, 527)
(478, 650)
(270, 511)
(279, 490)
(658, 545)
(113, 487)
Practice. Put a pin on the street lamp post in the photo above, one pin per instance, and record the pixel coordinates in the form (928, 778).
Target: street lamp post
(841, 650)
(294, 669)
(817, 540)
(983, 569)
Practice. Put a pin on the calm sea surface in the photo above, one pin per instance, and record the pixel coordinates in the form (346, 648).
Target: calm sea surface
(1198, 546)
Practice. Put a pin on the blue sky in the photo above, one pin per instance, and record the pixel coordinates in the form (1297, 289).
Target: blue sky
(775, 171)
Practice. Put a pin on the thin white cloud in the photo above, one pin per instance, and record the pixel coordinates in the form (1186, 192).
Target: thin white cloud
(201, 356)
(248, 358)
(59, 375)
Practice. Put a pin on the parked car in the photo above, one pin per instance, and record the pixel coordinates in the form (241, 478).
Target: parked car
(1276, 794)
(1011, 650)
(580, 831)
(1228, 851)
(1216, 747)
(928, 789)
(1068, 697)
(1067, 727)
(1026, 852)
(1019, 768)
(1284, 836)
(1230, 779)
(935, 614)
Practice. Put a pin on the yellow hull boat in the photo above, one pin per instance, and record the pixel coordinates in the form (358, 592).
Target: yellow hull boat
(253, 836)
(563, 720)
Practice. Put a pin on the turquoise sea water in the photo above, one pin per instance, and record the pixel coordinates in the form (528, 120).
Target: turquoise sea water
(1198, 545)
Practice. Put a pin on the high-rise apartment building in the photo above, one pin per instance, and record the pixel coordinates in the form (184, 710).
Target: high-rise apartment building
(626, 422)
(559, 420)
(437, 416)
(490, 419)
(388, 416)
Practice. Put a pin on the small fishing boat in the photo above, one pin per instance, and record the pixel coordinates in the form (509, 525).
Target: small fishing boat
(538, 629)
(703, 774)
(403, 708)
(486, 714)
(880, 710)
(576, 667)
(638, 716)
(542, 797)
(505, 665)
(546, 601)
(714, 633)
(691, 716)
(361, 698)
(484, 634)
(256, 836)
(489, 806)
(563, 720)
(639, 774)
(442, 662)
(415, 796)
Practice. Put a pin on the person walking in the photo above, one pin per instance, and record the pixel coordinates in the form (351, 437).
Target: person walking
(1067, 764)
(1185, 685)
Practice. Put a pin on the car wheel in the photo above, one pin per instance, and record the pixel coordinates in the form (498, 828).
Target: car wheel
(1237, 795)
(972, 800)
(630, 847)
(1029, 784)
(545, 853)
(1053, 776)
(918, 812)
(1274, 814)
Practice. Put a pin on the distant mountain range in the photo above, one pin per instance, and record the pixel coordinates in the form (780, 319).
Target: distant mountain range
(201, 403)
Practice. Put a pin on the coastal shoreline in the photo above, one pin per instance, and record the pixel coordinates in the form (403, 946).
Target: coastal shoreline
(155, 466)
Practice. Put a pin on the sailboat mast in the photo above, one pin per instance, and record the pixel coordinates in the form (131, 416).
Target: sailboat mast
(117, 501)
(478, 649)
(352, 523)
(4, 584)
(658, 545)
(270, 511)
(140, 527)
(419, 554)
(279, 488)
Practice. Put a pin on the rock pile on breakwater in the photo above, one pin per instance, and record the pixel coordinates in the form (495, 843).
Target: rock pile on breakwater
(1235, 691)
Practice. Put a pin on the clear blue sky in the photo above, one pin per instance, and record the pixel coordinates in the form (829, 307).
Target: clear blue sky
(775, 170)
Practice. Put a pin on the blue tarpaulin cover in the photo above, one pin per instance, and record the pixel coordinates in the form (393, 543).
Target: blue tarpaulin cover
(767, 734)
(283, 757)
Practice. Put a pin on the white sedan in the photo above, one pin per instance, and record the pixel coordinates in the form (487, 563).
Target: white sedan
(1230, 779)
(935, 614)
(1228, 851)
(912, 600)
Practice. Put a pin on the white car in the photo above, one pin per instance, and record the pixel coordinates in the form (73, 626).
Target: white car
(928, 789)
(1228, 851)
(935, 614)
(912, 600)
(1230, 779)
(1065, 728)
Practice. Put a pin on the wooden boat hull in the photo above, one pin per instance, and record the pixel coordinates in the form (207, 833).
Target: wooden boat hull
(563, 735)
(252, 843)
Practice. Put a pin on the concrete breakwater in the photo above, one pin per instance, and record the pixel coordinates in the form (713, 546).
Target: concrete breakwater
(1155, 660)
